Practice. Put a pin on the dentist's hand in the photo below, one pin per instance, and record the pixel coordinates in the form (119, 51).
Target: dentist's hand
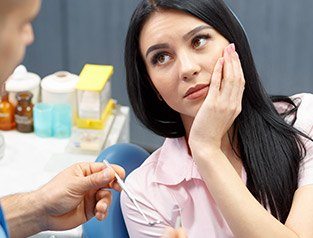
(77, 194)
(222, 104)
(177, 233)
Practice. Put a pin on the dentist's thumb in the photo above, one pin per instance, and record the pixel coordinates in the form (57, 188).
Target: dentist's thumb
(97, 180)
(177, 233)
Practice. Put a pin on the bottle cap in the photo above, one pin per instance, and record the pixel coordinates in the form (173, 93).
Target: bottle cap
(60, 82)
(21, 80)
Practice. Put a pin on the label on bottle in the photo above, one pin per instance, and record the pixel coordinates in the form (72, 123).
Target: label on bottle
(23, 120)
(4, 115)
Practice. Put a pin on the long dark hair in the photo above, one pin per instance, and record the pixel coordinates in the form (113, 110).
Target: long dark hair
(270, 149)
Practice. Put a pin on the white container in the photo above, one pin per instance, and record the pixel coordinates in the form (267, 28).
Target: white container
(60, 88)
(21, 80)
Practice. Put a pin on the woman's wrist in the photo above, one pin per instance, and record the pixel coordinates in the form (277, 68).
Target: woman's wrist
(205, 152)
(201, 149)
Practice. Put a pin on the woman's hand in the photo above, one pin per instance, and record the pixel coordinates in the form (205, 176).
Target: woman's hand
(222, 104)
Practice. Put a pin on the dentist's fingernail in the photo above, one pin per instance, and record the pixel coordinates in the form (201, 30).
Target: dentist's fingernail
(105, 206)
(100, 216)
(107, 174)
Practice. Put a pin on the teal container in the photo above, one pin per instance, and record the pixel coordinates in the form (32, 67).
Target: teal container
(62, 120)
(43, 119)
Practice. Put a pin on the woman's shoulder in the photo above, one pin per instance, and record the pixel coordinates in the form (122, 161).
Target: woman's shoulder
(163, 159)
(305, 99)
(302, 100)
(144, 173)
(153, 196)
(304, 123)
(305, 111)
(304, 115)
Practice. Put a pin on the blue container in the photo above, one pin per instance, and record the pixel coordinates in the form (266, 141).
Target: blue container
(62, 120)
(43, 119)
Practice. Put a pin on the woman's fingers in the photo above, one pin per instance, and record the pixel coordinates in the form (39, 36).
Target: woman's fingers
(242, 80)
(233, 81)
(238, 87)
(216, 79)
(222, 104)
(228, 70)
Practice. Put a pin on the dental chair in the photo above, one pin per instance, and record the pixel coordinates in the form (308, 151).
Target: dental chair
(128, 156)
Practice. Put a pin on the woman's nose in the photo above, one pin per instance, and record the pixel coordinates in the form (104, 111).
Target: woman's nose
(189, 68)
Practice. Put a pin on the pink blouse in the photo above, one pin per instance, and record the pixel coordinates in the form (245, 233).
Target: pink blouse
(169, 179)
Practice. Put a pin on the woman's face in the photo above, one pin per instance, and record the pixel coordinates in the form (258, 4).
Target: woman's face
(180, 52)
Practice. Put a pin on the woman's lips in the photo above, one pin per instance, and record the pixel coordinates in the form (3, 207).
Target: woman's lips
(197, 92)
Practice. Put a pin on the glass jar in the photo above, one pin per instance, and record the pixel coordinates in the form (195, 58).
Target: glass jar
(24, 112)
(6, 113)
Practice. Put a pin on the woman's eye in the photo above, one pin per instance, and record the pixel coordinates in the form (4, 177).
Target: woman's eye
(199, 41)
(160, 59)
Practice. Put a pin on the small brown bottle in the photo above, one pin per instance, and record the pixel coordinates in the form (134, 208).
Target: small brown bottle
(6, 113)
(24, 112)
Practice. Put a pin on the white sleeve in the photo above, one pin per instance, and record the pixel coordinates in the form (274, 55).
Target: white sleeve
(155, 201)
(306, 165)
(137, 226)
(304, 123)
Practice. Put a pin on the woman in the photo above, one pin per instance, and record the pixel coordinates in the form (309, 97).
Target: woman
(234, 163)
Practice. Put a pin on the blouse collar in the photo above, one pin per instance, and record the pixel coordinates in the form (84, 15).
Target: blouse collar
(174, 163)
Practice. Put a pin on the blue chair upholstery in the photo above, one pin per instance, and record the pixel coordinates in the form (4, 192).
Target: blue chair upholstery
(4, 233)
(128, 156)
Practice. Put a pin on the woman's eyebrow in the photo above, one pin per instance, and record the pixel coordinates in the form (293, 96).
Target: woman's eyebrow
(187, 36)
(157, 47)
